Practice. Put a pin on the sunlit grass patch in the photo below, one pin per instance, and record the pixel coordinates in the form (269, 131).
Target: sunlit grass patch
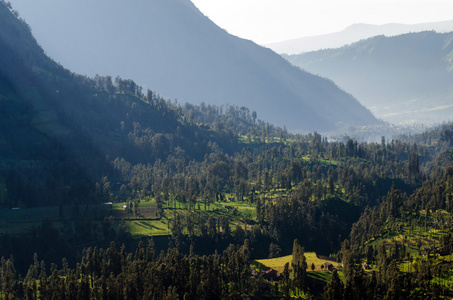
(278, 263)
(143, 228)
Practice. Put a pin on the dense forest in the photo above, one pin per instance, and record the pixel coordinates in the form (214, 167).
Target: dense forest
(112, 192)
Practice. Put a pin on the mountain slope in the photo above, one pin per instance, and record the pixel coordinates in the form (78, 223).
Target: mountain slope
(353, 34)
(169, 46)
(59, 131)
(36, 157)
(407, 78)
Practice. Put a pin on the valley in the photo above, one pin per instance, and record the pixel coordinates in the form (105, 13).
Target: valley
(404, 79)
(109, 190)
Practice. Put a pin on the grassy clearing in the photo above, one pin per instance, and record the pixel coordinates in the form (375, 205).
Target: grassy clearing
(278, 263)
(145, 223)
(143, 228)
(233, 210)
(238, 213)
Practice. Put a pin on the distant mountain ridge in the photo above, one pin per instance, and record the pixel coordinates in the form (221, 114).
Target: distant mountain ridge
(406, 78)
(171, 47)
(353, 34)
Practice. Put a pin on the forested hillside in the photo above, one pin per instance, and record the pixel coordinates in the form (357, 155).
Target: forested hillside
(406, 78)
(170, 46)
(112, 192)
(58, 127)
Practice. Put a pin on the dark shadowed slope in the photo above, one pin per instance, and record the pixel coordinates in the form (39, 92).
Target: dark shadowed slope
(59, 130)
(406, 78)
(170, 47)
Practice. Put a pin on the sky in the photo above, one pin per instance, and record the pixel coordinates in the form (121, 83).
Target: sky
(268, 21)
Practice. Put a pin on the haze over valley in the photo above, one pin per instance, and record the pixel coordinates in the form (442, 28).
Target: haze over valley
(401, 79)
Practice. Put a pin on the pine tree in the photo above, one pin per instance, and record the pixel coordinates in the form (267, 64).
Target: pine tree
(299, 265)
(334, 289)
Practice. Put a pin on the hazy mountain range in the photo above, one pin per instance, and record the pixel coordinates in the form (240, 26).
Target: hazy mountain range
(353, 34)
(406, 78)
(169, 46)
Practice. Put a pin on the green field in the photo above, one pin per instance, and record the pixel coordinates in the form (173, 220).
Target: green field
(145, 223)
(278, 263)
(144, 228)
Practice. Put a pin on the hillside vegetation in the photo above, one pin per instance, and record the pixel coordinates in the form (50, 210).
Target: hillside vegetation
(109, 191)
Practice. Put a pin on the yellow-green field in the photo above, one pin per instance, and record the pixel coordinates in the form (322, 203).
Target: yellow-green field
(278, 263)
(142, 228)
